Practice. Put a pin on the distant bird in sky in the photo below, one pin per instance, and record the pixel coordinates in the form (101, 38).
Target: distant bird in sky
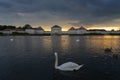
(68, 66)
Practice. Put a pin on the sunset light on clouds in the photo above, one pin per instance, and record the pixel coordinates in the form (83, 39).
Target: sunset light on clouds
(100, 14)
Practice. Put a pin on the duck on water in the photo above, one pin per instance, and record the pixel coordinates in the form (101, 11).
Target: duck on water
(108, 49)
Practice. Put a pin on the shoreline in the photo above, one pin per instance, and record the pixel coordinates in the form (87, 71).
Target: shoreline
(59, 34)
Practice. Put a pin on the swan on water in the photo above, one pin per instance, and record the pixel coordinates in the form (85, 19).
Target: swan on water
(77, 40)
(68, 66)
(11, 39)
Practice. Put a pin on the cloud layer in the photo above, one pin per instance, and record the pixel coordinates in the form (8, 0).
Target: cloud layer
(78, 12)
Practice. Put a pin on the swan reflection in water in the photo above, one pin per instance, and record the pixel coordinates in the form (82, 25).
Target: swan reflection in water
(61, 75)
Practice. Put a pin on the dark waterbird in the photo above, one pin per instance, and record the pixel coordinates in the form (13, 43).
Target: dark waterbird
(115, 56)
(108, 49)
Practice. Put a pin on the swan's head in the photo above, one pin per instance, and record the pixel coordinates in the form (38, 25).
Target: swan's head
(55, 53)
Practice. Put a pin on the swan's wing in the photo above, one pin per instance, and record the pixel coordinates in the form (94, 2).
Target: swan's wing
(68, 66)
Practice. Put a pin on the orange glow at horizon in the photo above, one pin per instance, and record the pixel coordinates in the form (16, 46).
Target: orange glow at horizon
(106, 28)
(66, 28)
(63, 28)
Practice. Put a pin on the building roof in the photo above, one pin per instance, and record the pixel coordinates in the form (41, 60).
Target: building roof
(39, 28)
(19, 29)
(72, 28)
(97, 30)
(82, 28)
(8, 29)
(56, 26)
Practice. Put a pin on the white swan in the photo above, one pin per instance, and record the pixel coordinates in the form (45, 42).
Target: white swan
(11, 39)
(69, 66)
(77, 40)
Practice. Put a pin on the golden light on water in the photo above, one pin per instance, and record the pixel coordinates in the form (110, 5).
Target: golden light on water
(65, 43)
(97, 44)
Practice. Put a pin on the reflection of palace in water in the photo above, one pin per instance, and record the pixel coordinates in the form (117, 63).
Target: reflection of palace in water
(60, 43)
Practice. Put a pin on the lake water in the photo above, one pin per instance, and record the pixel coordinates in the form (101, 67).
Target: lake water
(32, 57)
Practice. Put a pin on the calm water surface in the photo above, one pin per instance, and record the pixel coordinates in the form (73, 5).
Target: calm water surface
(32, 57)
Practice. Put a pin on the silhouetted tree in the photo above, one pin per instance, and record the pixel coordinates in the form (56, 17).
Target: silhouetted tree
(27, 26)
(11, 27)
(2, 27)
(112, 30)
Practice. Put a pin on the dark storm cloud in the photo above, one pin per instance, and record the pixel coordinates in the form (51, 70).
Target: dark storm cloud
(4, 5)
(98, 11)
(84, 11)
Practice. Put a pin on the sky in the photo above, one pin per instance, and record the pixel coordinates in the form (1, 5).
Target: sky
(92, 14)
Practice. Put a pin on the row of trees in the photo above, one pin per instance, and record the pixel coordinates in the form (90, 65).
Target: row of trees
(3, 27)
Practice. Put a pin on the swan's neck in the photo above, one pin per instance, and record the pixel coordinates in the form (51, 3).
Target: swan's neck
(56, 61)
